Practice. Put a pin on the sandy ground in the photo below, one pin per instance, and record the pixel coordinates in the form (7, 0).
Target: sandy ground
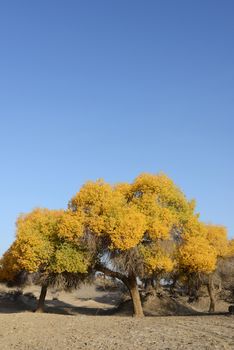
(75, 321)
(27, 331)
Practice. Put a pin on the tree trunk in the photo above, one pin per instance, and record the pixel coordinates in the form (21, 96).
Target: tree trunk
(136, 300)
(149, 285)
(210, 287)
(193, 287)
(131, 283)
(190, 289)
(41, 302)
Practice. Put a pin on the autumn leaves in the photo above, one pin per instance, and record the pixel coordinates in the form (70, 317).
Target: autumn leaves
(133, 230)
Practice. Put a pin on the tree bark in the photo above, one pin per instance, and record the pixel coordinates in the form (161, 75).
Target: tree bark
(41, 301)
(193, 287)
(136, 299)
(131, 283)
(210, 287)
(150, 288)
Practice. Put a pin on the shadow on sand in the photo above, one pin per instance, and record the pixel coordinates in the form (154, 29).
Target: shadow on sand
(22, 304)
(10, 303)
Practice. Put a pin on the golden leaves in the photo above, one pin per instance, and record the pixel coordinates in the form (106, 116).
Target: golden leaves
(122, 216)
(41, 242)
(197, 255)
(203, 244)
(160, 226)
(126, 228)
(156, 259)
(92, 198)
(8, 264)
(70, 226)
(217, 237)
(162, 189)
(124, 213)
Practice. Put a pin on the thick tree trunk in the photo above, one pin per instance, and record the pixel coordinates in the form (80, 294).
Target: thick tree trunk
(210, 287)
(41, 302)
(135, 295)
(131, 283)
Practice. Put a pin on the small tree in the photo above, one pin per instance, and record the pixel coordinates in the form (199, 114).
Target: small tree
(48, 244)
(201, 247)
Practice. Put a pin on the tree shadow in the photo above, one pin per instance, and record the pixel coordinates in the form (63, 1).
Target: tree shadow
(16, 304)
(12, 307)
(169, 308)
(62, 308)
(9, 305)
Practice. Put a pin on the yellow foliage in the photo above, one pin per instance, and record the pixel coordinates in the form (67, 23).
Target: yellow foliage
(126, 228)
(141, 215)
(8, 264)
(124, 188)
(107, 213)
(192, 227)
(202, 246)
(70, 259)
(217, 237)
(155, 196)
(93, 198)
(42, 242)
(197, 255)
(124, 213)
(163, 190)
(160, 226)
(70, 226)
(156, 259)
(34, 238)
(163, 203)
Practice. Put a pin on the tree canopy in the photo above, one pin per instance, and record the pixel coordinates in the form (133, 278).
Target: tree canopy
(129, 231)
(131, 221)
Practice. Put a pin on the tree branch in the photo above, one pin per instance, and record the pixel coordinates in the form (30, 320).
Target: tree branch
(114, 274)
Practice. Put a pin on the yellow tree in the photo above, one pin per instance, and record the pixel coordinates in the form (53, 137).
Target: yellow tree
(48, 242)
(195, 253)
(158, 262)
(201, 247)
(127, 221)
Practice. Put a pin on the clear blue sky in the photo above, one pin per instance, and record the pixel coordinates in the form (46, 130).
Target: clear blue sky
(110, 89)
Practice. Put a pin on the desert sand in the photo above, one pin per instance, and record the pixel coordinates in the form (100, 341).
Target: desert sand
(84, 320)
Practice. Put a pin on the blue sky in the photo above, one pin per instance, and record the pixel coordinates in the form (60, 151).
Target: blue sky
(110, 89)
